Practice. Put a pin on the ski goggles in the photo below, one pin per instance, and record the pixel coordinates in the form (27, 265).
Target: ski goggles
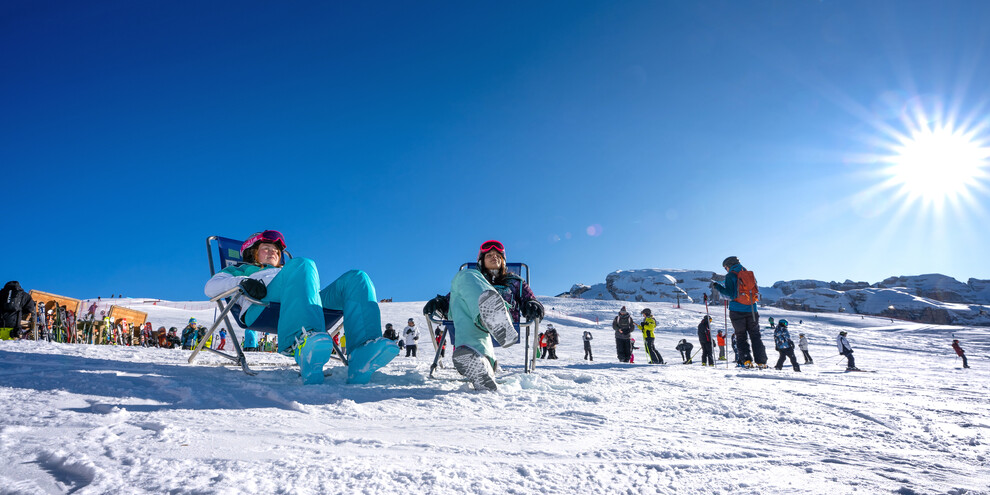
(489, 245)
(272, 236)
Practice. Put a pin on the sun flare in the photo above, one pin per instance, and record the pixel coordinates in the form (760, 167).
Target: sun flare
(935, 165)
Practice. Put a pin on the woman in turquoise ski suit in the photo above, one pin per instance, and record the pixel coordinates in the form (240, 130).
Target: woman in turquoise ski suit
(476, 323)
(295, 285)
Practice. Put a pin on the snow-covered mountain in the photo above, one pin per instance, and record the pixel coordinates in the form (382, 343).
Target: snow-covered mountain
(930, 298)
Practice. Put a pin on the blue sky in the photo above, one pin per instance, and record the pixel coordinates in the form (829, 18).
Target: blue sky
(395, 137)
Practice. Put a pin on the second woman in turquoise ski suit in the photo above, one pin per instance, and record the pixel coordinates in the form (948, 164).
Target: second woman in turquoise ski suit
(484, 303)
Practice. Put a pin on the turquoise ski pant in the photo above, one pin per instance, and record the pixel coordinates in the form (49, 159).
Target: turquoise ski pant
(465, 290)
(297, 289)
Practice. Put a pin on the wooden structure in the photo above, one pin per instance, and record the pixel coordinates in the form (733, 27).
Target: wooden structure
(134, 317)
(74, 305)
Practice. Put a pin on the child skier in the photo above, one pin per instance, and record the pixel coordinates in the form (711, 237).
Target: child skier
(785, 346)
(960, 353)
(720, 338)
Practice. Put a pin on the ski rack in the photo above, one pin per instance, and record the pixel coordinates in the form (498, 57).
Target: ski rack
(532, 327)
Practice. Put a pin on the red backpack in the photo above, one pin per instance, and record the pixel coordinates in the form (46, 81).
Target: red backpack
(746, 290)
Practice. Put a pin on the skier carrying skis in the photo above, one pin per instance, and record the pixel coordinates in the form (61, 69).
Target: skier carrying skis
(648, 326)
(685, 349)
(740, 285)
(960, 353)
(846, 350)
(623, 325)
(587, 345)
(784, 345)
(705, 338)
(267, 277)
(803, 345)
(484, 303)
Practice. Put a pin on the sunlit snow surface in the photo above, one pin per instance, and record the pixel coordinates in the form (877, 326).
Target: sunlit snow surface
(102, 419)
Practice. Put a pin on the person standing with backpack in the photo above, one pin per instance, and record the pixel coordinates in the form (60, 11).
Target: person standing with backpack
(740, 286)
(15, 305)
(623, 325)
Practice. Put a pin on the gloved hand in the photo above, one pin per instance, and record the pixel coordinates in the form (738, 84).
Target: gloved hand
(254, 289)
(438, 304)
(532, 310)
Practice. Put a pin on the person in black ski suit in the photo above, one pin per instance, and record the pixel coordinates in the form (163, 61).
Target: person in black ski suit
(784, 345)
(390, 333)
(685, 349)
(587, 345)
(705, 337)
(15, 305)
(623, 325)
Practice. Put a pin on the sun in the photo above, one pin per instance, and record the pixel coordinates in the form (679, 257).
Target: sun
(934, 165)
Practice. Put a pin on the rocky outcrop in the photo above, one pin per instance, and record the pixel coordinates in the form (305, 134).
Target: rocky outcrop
(931, 298)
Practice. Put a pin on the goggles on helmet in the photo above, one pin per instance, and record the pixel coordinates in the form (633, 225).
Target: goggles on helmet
(273, 236)
(489, 245)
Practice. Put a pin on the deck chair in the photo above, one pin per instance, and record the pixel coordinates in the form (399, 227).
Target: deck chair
(447, 329)
(229, 254)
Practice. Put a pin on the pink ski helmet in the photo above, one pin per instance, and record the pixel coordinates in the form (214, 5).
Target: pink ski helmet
(272, 236)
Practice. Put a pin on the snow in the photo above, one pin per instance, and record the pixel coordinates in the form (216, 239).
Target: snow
(108, 419)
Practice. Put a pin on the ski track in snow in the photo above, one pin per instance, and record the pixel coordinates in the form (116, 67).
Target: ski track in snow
(106, 419)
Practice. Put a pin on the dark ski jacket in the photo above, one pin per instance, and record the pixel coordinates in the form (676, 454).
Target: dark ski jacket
(685, 347)
(782, 338)
(15, 304)
(188, 336)
(705, 332)
(623, 325)
(514, 291)
(552, 338)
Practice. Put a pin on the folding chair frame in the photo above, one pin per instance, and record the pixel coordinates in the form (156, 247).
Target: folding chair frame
(239, 358)
(529, 363)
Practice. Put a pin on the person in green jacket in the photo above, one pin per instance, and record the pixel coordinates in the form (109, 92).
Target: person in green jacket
(648, 326)
(295, 284)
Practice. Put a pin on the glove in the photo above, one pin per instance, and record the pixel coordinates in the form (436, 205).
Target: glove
(533, 310)
(254, 289)
(438, 304)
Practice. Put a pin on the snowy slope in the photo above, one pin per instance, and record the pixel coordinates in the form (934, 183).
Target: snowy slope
(103, 419)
